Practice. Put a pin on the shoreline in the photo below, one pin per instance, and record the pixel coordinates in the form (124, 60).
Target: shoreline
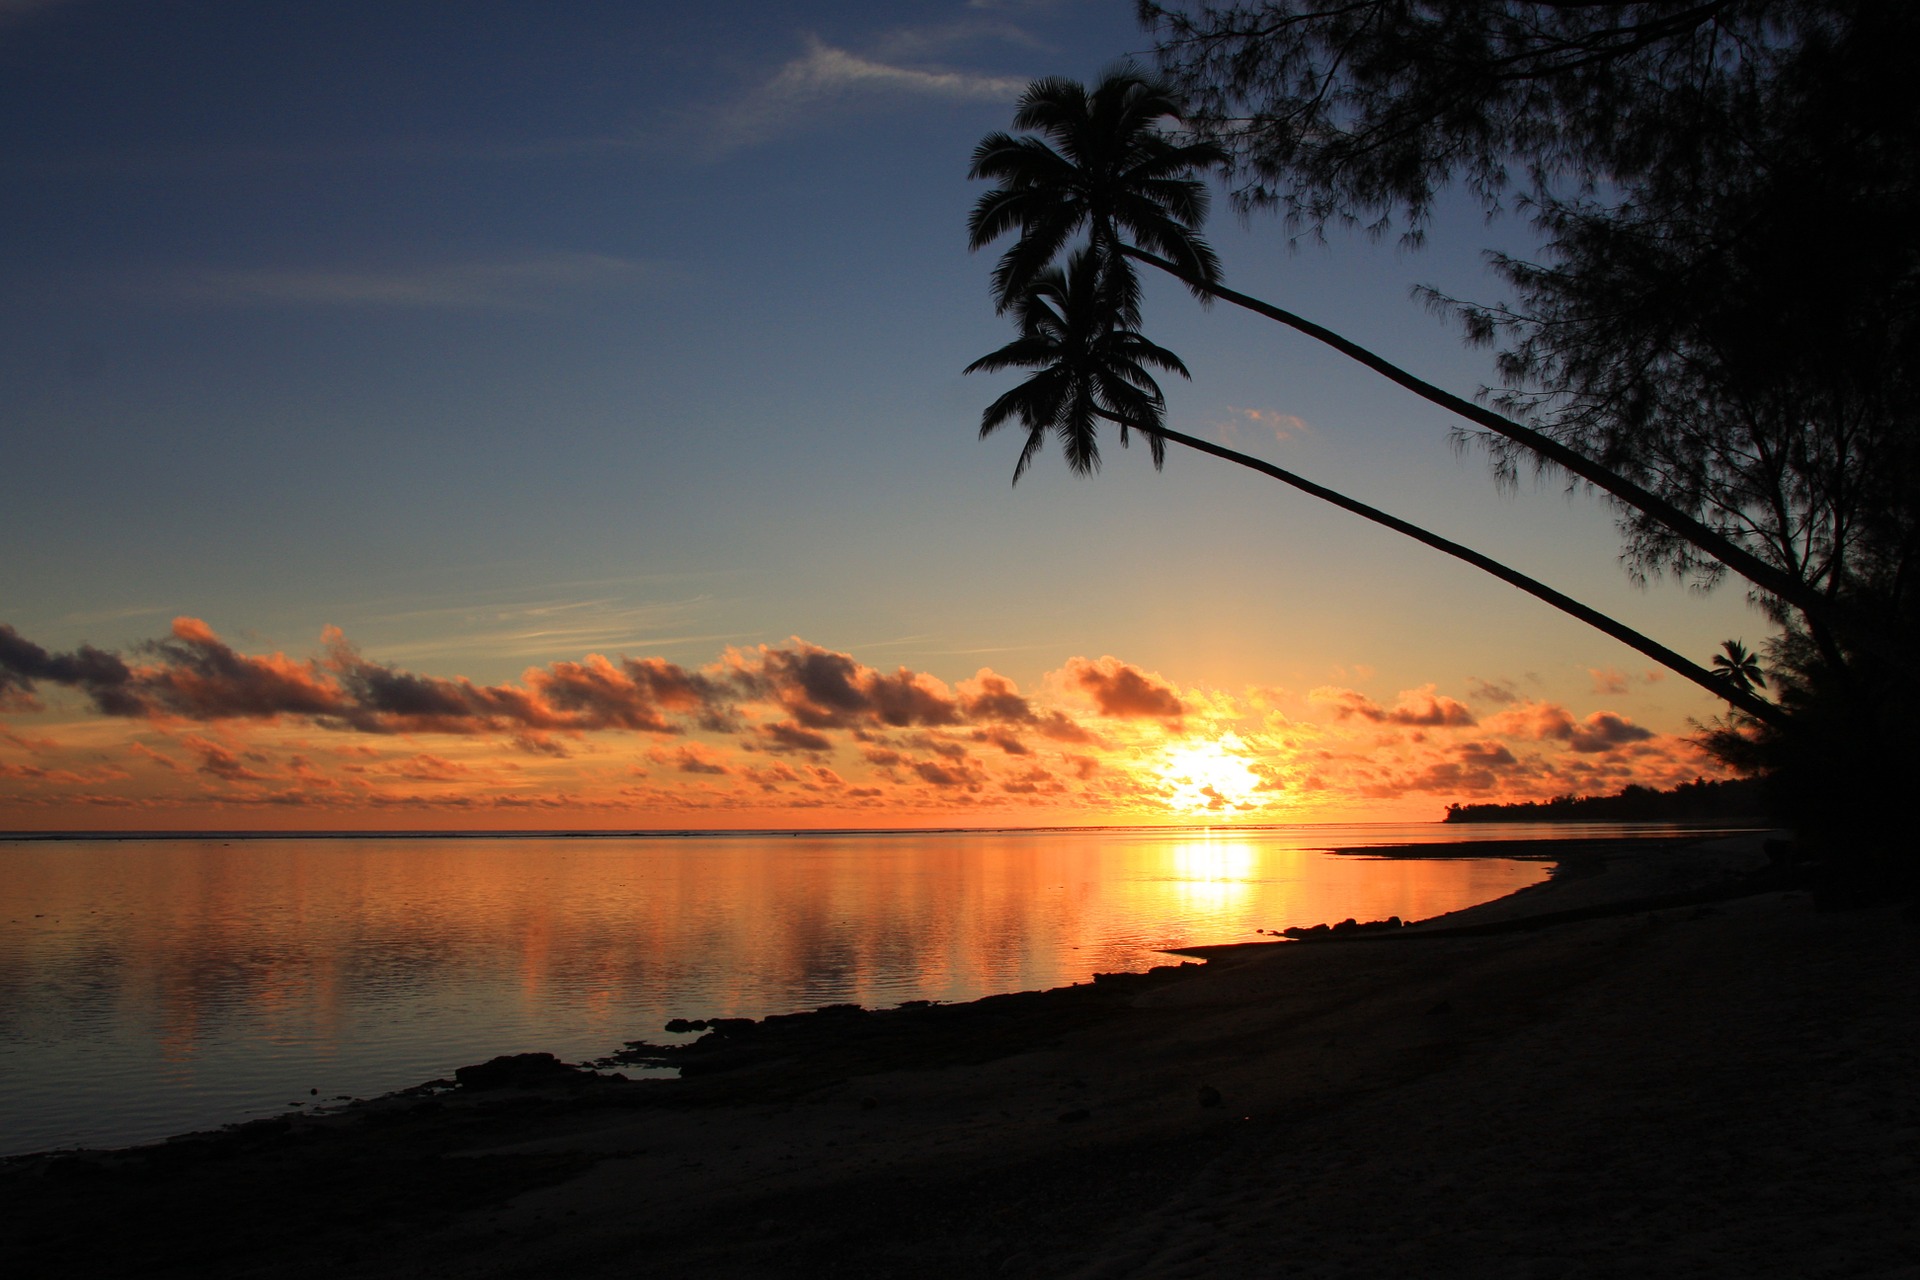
(1564, 854)
(1197, 1119)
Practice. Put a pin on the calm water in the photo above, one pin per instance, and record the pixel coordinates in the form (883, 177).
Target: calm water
(154, 987)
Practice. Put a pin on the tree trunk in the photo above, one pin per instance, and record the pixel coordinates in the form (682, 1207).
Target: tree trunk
(1817, 608)
(1741, 699)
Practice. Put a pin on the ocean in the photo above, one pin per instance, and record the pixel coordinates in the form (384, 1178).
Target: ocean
(150, 987)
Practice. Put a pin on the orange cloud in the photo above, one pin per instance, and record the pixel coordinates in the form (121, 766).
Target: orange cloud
(1600, 731)
(1500, 691)
(1603, 731)
(691, 757)
(430, 768)
(222, 762)
(1608, 681)
(761, 736)
(785, 735)
(1418, 707)
(1122, 690)
(821, 689)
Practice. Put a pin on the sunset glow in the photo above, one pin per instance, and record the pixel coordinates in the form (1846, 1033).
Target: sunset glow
(1211, 777)
(639, 485)
(189, 730)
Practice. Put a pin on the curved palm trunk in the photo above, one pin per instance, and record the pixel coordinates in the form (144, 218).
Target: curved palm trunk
(1800, 595)
(1741, 699)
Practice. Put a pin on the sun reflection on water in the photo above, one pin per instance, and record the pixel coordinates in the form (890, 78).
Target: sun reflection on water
(1214, 872)
(178, 966)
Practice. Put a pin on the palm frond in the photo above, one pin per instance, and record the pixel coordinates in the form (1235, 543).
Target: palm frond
(1093, 160)
(1088, 364)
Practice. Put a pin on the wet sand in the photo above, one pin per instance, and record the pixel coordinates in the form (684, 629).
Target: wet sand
(1622, 1071)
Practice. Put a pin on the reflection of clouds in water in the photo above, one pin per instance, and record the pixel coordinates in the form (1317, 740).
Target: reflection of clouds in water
(372, 964)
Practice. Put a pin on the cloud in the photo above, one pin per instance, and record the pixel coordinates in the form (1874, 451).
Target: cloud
(1034, 781)
(821, 726)
(789, 698)
(989, 696)
(822, 689)
(1485, 755)
(37, 746)
(825, 79)
(1419, 708)
(424, 767)
(1608, 681)
(220, 761)
(691, 757)
(1425, 708)
(512, 284)
(645, 695)
(1055, 726)
(1347, 703)
(1601, 731)
(992, 698)
(22, 663)
(788, 736)
(1536, 720)
(201, 677)
(1002, 739)
(637, 694)
(1122, 690)
(146, 752)
(1266, 423)
(950, 774)
(195, 675)
(1501, 691)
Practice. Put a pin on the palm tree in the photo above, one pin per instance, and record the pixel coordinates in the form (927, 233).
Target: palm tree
(1104, 166)
(1736, 665)
(1078, 333)
(1113, 171)
(1090, 364)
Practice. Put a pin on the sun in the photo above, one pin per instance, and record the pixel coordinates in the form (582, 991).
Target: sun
(1211, 776)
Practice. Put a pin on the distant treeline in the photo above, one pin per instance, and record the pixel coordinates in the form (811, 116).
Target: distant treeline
(1734, 800)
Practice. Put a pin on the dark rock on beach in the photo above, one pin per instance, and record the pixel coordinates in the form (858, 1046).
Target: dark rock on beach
(519, 1071)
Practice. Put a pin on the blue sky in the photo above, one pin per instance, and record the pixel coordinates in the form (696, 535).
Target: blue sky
(495, 335)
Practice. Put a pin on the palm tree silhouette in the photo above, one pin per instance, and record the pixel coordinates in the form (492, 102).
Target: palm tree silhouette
(1077, 331)
(1736, 665)
(1114, 171)
(1103, 165)
(1090, 364)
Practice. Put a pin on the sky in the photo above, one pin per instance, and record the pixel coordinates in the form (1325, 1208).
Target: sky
(501, 416)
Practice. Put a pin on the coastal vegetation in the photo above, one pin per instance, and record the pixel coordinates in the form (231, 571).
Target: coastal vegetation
(1718, 333)
(1702, 800)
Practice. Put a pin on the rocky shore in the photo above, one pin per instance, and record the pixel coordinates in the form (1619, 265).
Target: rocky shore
(1658, 1062)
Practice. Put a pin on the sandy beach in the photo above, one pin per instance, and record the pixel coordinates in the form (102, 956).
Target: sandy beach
(1643, 1066)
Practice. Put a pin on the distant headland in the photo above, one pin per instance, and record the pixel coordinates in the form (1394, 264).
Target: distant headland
(1702, 800)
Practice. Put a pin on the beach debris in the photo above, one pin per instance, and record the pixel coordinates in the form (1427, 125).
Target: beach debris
(1075, 1116)
(1210, 1096)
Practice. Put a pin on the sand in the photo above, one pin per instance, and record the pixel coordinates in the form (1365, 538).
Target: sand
(1549, 1085)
